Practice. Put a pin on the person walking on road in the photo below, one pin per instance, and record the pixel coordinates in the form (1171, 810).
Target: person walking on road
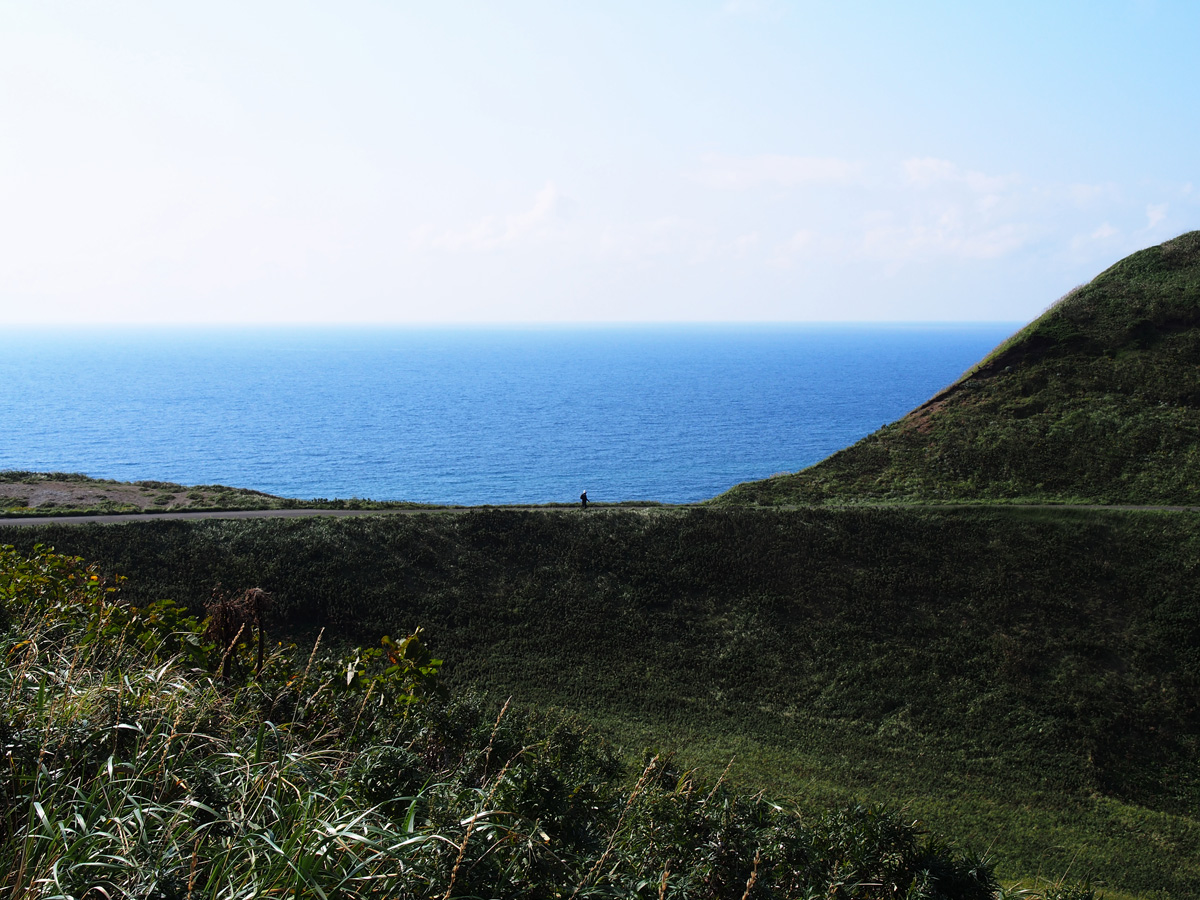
(583, 499)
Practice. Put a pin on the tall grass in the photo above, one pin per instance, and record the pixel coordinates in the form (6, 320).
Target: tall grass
(133, 769)
(1023, 679)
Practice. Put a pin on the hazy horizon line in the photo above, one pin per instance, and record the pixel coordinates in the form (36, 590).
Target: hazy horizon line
(512, 325)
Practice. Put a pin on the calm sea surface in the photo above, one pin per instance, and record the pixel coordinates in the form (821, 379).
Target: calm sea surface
(670, 413)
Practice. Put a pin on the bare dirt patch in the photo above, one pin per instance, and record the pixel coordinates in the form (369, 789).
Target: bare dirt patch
(27, 492)
(72, 495)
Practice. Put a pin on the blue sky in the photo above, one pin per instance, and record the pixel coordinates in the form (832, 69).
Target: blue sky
(274, 162)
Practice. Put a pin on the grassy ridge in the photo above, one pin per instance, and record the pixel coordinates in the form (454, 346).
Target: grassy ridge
(1028, 678)
(146, 758)
(1098, 400)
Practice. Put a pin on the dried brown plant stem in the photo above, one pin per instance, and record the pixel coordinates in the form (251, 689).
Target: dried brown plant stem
(192, 870)
(311, 657)
(753, 875)
(487, 756)
(713, 792)
(362, 706)
(612, 839)
(462, 848)
(229, 650)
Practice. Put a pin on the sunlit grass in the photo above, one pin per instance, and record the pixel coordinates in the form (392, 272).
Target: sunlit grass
(997, 672)
(134, 769)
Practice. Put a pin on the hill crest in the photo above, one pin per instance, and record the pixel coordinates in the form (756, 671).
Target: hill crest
(1097, 400)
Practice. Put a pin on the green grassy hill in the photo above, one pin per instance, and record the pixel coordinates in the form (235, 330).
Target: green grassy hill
(1025, 681)
(150, 755)
(1096, 401)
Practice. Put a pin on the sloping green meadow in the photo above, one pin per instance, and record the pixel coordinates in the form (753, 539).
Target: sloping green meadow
(1096, 401)
(1027, 681)
(147, 757)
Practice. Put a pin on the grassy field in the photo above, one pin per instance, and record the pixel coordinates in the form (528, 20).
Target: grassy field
(148, 754)
(1027, 681)
(1096, 401)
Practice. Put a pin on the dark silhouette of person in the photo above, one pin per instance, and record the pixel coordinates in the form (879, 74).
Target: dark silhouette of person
(583, 499)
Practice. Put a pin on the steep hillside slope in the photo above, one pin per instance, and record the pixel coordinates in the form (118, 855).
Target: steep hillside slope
(1025, 680)
(1098, 400)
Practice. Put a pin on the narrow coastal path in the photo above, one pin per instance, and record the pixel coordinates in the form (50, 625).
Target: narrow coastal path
(120, 518)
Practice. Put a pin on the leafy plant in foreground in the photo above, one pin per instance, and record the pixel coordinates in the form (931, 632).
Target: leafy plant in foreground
(128, 773)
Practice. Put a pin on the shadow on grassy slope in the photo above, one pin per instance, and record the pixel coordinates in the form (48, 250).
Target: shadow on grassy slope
(139, 763)
(1023, 677)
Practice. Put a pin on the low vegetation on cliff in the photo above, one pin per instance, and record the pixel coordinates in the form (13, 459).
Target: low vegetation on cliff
(1021, 680)
(32, 494)
(1097, 401)
(144, 759)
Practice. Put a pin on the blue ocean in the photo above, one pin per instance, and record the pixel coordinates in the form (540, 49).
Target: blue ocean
(466, 416)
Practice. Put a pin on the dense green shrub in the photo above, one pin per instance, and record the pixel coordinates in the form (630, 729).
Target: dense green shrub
(130, 773)
(1025, 679)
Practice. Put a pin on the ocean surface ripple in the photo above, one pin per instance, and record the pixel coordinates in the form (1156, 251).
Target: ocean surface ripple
(468, 415)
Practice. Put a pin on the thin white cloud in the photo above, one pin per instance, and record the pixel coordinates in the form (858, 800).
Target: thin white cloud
(941, 210)
(1088, 195)
(744, 244)
(773, 170)
(548, 212)
(669, 235)
(930, 172)
(799, 244)
(1100, 234)
(919, 212)
(752, 8)
(947, 237)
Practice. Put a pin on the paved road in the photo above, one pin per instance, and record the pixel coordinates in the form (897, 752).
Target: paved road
(120, 518)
